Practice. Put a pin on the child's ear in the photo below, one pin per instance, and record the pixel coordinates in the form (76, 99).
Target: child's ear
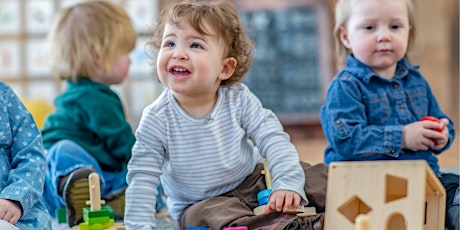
(97, 55)
(343, 35)
(228, 68)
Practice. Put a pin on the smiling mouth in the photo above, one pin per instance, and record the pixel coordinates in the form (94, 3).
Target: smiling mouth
(179, 71)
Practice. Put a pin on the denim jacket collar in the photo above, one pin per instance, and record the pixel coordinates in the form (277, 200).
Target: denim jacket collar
(363, 72)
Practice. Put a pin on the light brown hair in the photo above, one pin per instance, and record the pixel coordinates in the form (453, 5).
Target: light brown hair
(223, 19)
(87, 37)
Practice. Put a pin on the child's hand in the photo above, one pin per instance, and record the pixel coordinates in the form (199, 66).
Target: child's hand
(282, 200)
(442, 142)
(422, 135)
(9, 211)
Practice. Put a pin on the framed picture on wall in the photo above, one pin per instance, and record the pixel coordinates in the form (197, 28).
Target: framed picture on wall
(37, 59)
(39, 16)
(9, 59)
(10, 17)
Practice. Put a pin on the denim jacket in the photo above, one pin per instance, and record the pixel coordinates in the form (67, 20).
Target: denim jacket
(22, 163)
(364, 114)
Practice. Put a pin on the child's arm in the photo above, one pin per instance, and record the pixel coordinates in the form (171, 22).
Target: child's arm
(274, 144)
(26, 178)
(144, 170)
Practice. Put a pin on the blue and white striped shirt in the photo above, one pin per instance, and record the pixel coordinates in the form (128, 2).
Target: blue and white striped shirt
(200, 158)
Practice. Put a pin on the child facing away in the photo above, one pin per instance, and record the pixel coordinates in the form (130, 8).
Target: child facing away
(204, 136)
(88, 131)
(22, 166)
(375, 103)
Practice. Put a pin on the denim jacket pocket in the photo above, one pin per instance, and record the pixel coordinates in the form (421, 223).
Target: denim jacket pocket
(377, 108)
(418, 100)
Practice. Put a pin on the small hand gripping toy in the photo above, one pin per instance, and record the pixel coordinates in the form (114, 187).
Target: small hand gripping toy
(431, 118)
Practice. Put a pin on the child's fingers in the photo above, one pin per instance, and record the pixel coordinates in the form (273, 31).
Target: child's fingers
(444, 121)
(279, 203)
(288, 202)
(291, 201)
(276, 202)
(268, 209)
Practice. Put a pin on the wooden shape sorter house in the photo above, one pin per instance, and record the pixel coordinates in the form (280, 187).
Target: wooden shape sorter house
(394, 195)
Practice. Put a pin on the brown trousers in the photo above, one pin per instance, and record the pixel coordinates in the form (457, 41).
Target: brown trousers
(235, 208)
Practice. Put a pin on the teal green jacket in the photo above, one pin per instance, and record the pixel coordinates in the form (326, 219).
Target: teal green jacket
(91, 115)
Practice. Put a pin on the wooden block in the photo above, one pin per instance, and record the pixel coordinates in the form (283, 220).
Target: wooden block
(392, 194)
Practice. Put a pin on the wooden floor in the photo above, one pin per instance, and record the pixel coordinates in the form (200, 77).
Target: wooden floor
(311, 150)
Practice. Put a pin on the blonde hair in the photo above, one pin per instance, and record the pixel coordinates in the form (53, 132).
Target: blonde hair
(343, 13)
(222, 17)
(87, 37)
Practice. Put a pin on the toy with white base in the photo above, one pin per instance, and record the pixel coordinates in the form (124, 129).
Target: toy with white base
(5, 225)
(264, 195)
(394, 195)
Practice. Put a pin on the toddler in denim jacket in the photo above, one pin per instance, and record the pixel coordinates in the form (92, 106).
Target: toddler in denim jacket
(22, 166)
(375, 103)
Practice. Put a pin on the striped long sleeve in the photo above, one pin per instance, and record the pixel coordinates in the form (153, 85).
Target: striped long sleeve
(200, 158)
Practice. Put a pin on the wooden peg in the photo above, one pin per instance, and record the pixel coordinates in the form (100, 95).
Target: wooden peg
(94, 192)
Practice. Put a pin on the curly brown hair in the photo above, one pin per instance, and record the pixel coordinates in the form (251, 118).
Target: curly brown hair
(223, 18)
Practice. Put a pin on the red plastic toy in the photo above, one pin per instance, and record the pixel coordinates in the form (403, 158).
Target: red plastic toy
(431, 118)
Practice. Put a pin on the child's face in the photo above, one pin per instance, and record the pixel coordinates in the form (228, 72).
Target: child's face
(377, 33)
(118, 71)
(190, 63)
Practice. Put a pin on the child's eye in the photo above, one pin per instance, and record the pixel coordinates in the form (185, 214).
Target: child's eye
(395, 26)
(196, 46)
(170, 44)
(368, 27)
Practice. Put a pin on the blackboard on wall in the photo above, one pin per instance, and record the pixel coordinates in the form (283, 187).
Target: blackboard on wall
(291, 64)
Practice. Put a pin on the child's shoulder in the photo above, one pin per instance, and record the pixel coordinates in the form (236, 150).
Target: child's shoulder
(6, 91)
(235, 89)
(5, 87)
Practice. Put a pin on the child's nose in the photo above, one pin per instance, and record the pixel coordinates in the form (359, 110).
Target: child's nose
(383, 35)
(180, 54)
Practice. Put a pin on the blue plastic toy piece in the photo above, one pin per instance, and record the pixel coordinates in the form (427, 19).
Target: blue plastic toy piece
(262, 196)
(197, 228)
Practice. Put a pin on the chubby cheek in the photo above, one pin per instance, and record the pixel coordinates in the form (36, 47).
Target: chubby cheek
(162, 76)
(126, 67)
(161, 67)
(366, 48)
(401, 48)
